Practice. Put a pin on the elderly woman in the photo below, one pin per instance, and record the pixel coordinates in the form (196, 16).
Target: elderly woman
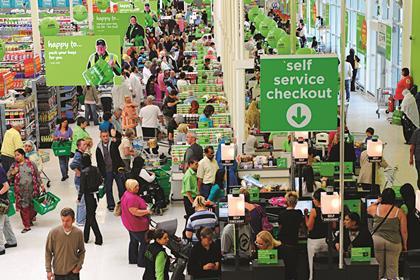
(28, 185)
(32, 154)
(181, 137)
(134, 216)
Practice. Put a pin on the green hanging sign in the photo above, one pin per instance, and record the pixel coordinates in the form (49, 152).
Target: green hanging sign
(388, 52)
(299, 93)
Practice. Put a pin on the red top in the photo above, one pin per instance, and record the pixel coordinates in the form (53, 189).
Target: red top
(404, 83)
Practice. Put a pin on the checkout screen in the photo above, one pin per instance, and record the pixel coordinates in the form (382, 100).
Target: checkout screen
(223, 210)
(304, 204)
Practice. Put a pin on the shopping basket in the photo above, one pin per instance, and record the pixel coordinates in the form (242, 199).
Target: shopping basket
(61, 148)
(45, 203)
(12, 197)
(163, 179)
(101, 191)
(12, 210)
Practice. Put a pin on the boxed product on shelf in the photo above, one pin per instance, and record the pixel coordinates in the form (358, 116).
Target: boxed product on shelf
(185, 108)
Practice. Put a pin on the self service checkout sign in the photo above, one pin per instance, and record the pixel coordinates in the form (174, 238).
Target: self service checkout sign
(299, 93)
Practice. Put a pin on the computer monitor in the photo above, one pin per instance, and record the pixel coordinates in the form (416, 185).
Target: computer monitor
(304, 204)
(370, 201)
(222, 210)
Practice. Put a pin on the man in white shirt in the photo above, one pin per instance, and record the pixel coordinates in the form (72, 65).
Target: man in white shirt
(206, 172)
(150, 116)
(136, 88)
(182, 82)
(146, 72)
(348, 74)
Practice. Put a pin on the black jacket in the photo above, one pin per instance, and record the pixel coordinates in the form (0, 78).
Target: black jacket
(150, 259)
(115, 157)
(133, 33)
(363, 239)
(90, 179)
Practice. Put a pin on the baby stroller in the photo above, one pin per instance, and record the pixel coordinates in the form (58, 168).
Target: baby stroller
(179, 249)
(153, 194)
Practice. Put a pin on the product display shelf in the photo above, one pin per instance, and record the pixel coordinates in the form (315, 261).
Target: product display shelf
(22, 112)
(219, 120)
(202, 88)
(47, 108)
(67, 100)
(185, 108)
(199, 94)
(210, 136)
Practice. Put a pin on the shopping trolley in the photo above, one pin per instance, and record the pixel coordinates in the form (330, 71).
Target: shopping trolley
(384, 100)
(45, 157)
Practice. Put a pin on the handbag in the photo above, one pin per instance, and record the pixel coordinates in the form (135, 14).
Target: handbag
(265, 223)
(117, 210)
(383, 220)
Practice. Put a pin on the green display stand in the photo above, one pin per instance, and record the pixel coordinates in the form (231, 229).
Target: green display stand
(360, 254)
(267, 257)
(281, 163)
(254, 194)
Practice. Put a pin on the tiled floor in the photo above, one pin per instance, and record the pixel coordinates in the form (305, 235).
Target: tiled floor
(110, 261)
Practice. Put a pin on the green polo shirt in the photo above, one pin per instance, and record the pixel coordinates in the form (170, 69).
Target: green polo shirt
(274, 133)
(189, 183)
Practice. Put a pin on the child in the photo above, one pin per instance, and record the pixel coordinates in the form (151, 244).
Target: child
(369, 134)
(129, 114)
(106, 125)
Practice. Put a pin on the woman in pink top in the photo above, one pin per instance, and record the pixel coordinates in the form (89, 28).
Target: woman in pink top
(134, 216)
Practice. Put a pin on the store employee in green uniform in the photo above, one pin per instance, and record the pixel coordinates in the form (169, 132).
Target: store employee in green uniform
(101, 52)
(135, 32)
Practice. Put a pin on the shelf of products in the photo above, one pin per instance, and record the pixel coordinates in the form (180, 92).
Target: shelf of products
(219, 108)
(47, 113)
(22, 112)
(68, 103)
(178, 152)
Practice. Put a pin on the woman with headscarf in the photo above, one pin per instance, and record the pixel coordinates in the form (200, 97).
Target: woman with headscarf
(32, 154)
(28, 185)
(410, 120)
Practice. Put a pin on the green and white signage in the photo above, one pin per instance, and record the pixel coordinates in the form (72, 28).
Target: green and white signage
(115, 24)
(299, 93)
(81, 60)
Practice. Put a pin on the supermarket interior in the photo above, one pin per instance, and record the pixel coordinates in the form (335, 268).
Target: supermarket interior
(209, 139)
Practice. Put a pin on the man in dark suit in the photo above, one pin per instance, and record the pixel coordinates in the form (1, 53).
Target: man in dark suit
(355, 235)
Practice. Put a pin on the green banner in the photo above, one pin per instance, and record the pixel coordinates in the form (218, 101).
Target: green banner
(267, 257)
(81, 60)
(118, 24)
(299, 93)
(361, 254)
(361, 34)
(346, 19)
(314, 12)
(388, 43)
(327, 15)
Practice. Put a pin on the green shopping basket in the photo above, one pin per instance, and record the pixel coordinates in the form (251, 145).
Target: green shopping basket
(12, 210)
(61, 148)
(101, 191)
(45, 203)
(12, 197)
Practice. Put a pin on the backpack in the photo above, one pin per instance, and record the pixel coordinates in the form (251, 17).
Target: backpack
(94, 179)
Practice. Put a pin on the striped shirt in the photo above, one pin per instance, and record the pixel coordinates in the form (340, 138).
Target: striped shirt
(201, 219)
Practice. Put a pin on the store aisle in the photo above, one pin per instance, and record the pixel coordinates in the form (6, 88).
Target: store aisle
(106, 262)
(362, 114)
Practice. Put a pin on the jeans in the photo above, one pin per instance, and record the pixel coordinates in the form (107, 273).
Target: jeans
(64, 165)
(108, 182)
(315, 246)
(7, 162)
(387, 254)
(81, 209)
(205, 190)
(91, 222)
(70, 276)
(6, 231)
(106, 104)
(347, 86)
(135, 250)
(91, 114)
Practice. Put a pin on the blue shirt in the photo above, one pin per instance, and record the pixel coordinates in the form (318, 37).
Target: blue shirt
(216, 193)
(105, 126)
(203, 118)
